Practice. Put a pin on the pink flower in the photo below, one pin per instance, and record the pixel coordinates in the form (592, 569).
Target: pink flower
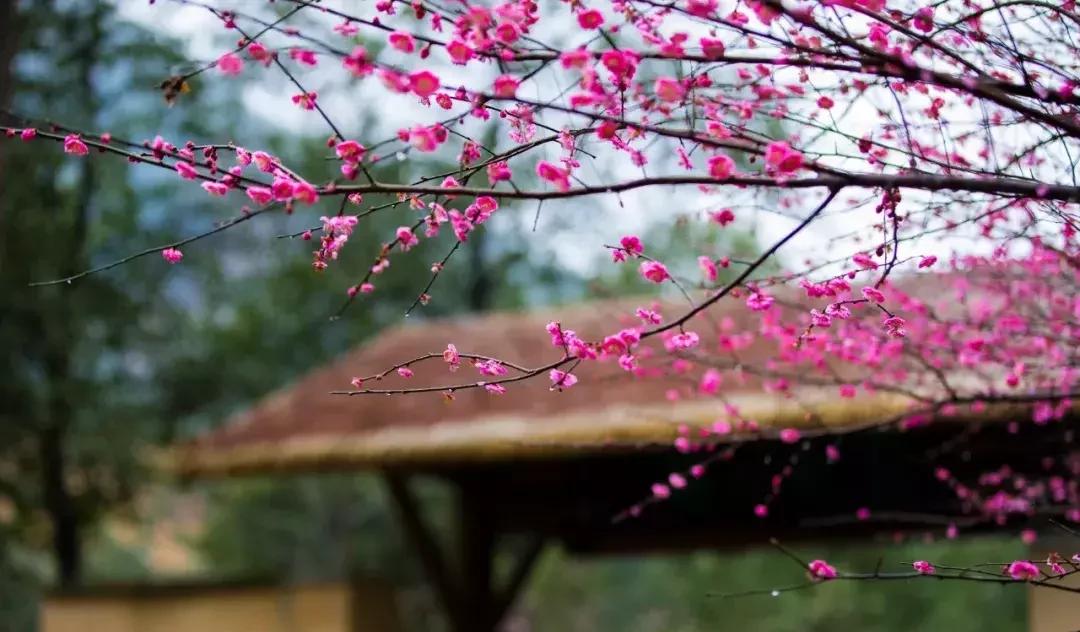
(230, 65)
(423, 138)
(28, 134)
(260, 195)
(879, 35)
(923, 567)
(712, 48)
(282, 189)
(864, 261)
(495, 389)
(215, 188)
(759, 302)
(873, 294)
(74, 145)
(781, 158)
(303, 56)
(790, 435)
(820, 569)
(493, 368)
(761, 511)
(576, 58)
(649, 316)
(764, 12)
(423, 83)
(924, 19)
(357, 63)
(186, 171)
(259, 53)
(405, 372)
(305, 192)
(402, 41)
(683, 341)
(894, 326)
(710, 382)
(505, 86)
(349, 151)
(832, 453)
(632, 244)
(590, 19)
(507, 32)
(669, 89)
(498, 171)
(451, 357)
(460, 52)
(264, 161)
(172, 255)
(622, 64)
(553, 174)
(346, 29)
(305, 100)
(406, 237)
(721, 166)
(654, 271)
(661, 491)
(724, 216)
(561, 379)
(1022, 570)
(708, 268)
(357, 382)
(847, 391)
(817, 319)
(927, 261)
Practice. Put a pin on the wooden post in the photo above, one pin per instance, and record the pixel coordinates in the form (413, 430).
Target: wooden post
(477, 540)
(518, 575)
(470, 598)
(427, 549)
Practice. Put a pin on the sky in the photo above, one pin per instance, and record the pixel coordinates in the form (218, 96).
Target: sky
(573, 231)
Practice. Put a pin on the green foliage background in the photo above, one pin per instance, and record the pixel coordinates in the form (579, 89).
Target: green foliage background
(153, 353)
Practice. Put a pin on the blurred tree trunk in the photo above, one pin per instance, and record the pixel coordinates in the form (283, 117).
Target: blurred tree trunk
(8, 43)
(61, 336)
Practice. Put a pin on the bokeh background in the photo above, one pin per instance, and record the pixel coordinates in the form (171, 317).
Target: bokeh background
(95, 374)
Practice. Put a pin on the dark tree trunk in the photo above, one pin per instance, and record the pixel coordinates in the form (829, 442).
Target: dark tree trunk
(61, 339)
(8, 43)
(60, 505)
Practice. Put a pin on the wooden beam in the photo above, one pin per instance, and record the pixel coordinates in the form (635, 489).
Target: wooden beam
(518, 575)
(427, 549)
(475, 521)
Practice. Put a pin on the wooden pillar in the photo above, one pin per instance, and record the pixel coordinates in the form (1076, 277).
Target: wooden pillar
(469, 597)
(477, 541)
(424, 545)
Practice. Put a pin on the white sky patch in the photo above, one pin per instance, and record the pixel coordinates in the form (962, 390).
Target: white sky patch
(365, 110)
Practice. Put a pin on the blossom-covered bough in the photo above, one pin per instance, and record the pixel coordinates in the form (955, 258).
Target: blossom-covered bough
(926, 152)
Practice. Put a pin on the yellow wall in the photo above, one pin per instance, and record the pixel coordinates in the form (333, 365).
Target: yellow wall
(313, 608)
(1052, 610)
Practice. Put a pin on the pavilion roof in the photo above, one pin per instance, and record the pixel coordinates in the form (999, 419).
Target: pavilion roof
(302, 427)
